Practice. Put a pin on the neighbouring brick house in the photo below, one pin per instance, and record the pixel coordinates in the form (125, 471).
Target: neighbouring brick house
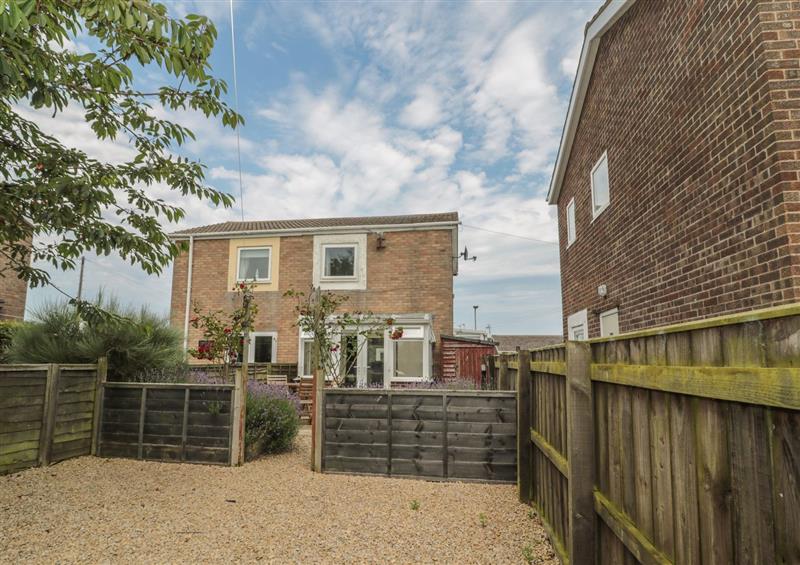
(677, 175)
(13, 292)
(398, 267)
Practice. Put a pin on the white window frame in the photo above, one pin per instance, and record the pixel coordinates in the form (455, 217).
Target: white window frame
(603, 315)
(251, 351)
(354, 276)
(579, 319)
(266, 248)
(390, 362)
(572, 233)
(595, 210)
(420, 322)
(359, 281)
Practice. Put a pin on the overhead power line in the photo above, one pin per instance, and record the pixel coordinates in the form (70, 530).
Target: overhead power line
(511, 235)
(238, 125)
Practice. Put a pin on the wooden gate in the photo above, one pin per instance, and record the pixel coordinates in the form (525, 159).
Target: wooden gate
(442, 434)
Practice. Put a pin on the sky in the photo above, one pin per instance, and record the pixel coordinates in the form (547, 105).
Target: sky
(380, 108)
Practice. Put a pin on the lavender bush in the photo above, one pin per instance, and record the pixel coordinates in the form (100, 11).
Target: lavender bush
(272, 418)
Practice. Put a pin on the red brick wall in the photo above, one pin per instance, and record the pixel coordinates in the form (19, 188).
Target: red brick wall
(412, 274)
(698, 106)
(13, 292)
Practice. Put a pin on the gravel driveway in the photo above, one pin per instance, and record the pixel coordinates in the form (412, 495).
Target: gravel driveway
(275, 509)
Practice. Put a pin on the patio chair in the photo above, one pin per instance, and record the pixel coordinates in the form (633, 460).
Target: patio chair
(277, 380)
(306, 393)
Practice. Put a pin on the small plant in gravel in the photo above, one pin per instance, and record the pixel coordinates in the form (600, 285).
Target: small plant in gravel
(528, 555)
(532, 514)
(482, 520)
(415, 505)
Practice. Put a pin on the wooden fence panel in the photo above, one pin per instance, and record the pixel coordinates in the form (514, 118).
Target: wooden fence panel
(696, 434)
(22, 395)
(74, 415)
(166, 422)
(46, 413)
(431, 434)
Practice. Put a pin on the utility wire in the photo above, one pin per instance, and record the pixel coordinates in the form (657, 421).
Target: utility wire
(236, 107)
(511, 235)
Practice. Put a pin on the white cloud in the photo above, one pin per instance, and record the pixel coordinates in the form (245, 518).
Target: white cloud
(425, 110)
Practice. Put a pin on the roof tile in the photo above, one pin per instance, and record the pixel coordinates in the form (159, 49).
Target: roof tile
(319, 223)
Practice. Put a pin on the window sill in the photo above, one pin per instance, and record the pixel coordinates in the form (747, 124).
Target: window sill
(409, 379)
(339, 279)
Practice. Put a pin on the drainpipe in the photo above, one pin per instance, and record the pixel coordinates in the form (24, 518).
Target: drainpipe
(188, 297)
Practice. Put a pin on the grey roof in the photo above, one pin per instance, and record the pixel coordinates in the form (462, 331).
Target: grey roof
(320, 223)
(511, 342)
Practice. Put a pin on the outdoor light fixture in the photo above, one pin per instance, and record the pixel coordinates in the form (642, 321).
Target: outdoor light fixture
(602, 290)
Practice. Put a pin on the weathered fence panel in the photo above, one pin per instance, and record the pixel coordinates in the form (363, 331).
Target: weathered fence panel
(460, 435)
(46, 413)
(167, 422)
(695, 435)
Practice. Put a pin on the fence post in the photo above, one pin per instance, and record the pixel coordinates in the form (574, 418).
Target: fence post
(237, 422)
(502, 377)
(524, 450)
(102, 375)
(580, 453)
(48, 414)
(317, 411)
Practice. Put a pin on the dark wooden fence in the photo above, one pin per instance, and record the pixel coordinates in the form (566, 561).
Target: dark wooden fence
(443, 434)
(501, 372)
(167, 422)
(673, 445)
(46, 413)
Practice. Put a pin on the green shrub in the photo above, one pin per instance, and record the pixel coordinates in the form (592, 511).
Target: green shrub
(7, 331)
(135, 340)
(271, 424)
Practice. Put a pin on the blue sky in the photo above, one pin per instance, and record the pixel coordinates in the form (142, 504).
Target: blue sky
(384, 108)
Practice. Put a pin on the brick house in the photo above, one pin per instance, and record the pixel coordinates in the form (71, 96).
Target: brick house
(676, 179)
(13, 291)
(399, 267)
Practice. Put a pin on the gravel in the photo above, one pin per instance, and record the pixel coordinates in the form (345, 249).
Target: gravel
(275, 510)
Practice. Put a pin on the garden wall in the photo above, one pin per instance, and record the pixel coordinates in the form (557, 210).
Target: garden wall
(439, 434)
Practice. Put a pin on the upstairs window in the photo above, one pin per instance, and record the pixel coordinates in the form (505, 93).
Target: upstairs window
(254, 264)
(600, 187)
(570, 222)
(340, 261)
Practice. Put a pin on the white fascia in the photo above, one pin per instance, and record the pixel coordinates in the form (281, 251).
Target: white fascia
(607, 18)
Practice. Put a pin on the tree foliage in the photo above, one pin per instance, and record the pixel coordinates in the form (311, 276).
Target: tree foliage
(68, 201)
(134, 340)
(223, 332)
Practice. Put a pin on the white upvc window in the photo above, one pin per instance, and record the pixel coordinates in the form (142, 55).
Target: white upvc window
(609, 323)
(375, 359)
(410, 356)
(339, 261)
(254, 264)
(578, 326)
(601, 196)
(571, 222)
(305, 368)
(263, 347)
